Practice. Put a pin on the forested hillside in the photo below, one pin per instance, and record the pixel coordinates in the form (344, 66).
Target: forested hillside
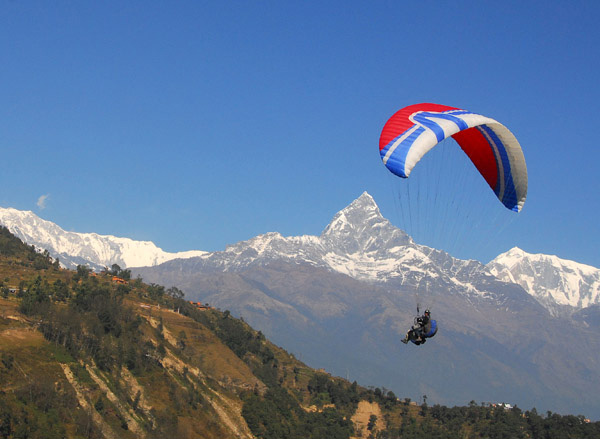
(99, 355)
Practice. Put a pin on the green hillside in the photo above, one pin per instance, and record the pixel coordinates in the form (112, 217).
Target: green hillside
(88, 355)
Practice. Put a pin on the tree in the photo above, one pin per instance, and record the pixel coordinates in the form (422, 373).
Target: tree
(83, 272)
(99, 405)
(181, 338)
(60, 290)
(115, 270)
(372, 422)
(156, 291)
(175, 293)
(36, 299)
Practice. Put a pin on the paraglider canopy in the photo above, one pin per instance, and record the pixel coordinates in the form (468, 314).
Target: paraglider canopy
(414, 130)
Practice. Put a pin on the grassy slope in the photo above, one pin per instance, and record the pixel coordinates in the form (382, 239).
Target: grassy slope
(196, 390)
(37, 369)
(45, 392)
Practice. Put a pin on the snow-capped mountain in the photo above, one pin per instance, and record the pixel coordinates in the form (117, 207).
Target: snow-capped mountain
(551, 280)
(343, 299)
(360, 243)
(72, 249)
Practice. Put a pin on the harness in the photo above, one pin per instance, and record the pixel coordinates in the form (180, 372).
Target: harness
(432, 330)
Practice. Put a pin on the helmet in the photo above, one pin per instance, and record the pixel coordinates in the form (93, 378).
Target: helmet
(427, 313)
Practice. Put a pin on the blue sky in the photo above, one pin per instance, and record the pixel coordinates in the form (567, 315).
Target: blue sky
(196, 124)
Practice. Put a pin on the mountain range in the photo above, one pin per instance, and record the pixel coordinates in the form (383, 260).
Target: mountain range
(129, 360)
(343, 299)
(358, 242)
(554, 282)
(91, 249)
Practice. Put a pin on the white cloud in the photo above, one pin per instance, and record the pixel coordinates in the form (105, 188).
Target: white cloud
(41, 202)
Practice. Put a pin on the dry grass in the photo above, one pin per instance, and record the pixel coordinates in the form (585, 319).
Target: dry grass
(203, 350)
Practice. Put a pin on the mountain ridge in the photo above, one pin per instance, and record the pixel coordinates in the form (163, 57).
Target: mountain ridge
(92, 249)
(553, 281)
(343, 300)
(358, 242)
(160, 366)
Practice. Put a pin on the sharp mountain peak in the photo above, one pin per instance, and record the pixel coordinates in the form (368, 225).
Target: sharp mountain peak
(358, 242)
